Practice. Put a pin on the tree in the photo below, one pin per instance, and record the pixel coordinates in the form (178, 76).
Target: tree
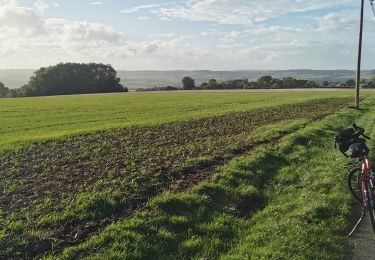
(371, 83)
(212, 84)
(325, 84)
(264, 82)
(3, 90)
(310, 84)
(188, 83)
(203, 85)
(250, 85)
(276, 83)
(73, 78)
(350, 82)
(289, 82)
(12, 93)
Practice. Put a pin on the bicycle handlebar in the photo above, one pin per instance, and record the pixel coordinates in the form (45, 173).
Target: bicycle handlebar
(359, 131)
(366, 137)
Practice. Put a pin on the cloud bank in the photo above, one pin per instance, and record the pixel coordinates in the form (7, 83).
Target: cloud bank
(235, 34)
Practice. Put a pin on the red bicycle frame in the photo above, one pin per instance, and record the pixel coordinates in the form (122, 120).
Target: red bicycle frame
(366, 177)
(367, 185)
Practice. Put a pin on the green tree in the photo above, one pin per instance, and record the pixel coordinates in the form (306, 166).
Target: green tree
(264, 82)
(310, 84)
(203, 85)
(3, 90)
(73, 78)
(325, 84)
(363, 81)
(212, 84)
(290, 82)
(350, 82)
(12, 93)
(251, 85)
(188, 83)
(276, 83)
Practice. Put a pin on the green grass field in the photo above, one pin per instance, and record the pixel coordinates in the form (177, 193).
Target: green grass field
(25, 120)
(167, 176)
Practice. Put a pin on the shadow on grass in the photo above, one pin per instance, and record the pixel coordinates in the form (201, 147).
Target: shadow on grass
(358, 108)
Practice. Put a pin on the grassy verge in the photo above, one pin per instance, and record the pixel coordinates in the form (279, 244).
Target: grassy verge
(309, 203)
(285, 201)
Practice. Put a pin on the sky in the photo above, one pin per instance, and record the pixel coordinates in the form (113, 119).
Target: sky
(186, 35)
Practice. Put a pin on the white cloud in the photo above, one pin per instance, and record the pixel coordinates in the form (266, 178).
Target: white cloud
(143, 18)
(96, 3)
(40, 6)
(24, 32)
(26, 26)
(243, 12)
(152, 48)
(139, 8)
(16, 20)
(162, 35)
(337, 22)
(77, 36)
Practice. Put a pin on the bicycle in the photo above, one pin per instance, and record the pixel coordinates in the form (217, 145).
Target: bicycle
(361, 178)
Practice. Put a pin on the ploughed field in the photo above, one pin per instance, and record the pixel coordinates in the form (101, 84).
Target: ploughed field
(146, 164)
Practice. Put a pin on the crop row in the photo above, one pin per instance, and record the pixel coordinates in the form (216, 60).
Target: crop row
(53, 194)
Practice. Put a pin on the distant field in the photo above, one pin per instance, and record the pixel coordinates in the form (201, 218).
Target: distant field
(25, 120)
(147, 79)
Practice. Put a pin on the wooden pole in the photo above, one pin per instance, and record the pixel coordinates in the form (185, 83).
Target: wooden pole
(359, 57)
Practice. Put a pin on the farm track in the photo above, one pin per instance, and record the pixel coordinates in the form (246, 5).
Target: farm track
(57, 193)
(361, 244)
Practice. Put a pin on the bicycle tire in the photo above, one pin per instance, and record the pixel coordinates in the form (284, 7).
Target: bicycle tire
(370, 205)
(351, 179)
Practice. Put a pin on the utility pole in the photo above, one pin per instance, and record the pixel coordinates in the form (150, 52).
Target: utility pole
(359, 57)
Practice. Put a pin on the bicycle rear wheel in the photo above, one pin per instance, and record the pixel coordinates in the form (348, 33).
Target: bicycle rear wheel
(354, 184)
(370, 204)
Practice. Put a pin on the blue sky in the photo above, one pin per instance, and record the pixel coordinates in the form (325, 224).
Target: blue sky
(192, 34)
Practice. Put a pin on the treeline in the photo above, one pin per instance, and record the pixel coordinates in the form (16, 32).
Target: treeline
(68, 79)
(264, 82)
(350, 83)
(167, 88)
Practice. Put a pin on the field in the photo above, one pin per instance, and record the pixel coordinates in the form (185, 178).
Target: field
(33, 119)
(201, 175)
(148, 79)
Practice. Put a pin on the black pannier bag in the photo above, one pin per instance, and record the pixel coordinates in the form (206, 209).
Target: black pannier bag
(343, 139)
(357, 150)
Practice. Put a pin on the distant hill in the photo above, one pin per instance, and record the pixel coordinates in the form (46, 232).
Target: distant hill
(15, 78)
(146, 79)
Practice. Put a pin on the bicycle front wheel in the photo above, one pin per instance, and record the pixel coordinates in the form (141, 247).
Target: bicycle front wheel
(370, 204)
